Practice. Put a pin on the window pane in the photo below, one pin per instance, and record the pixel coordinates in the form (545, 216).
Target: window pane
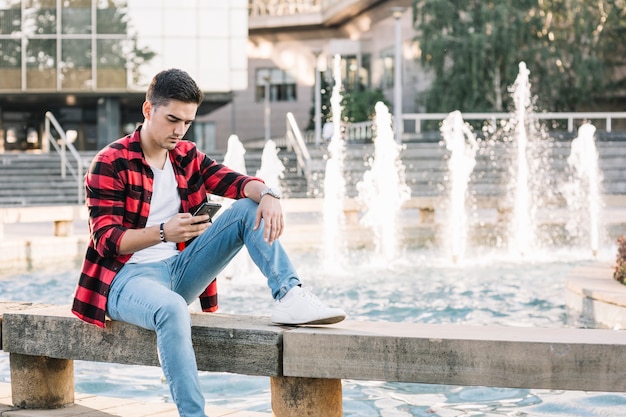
(76, 64)
(10, 19)
(111, 17)
(41, 71)
(76, 17)
(282, 85)
(40, 17)
(10, 53)
(41, 53)
(10, 64)
(261, 75)
(111, 61)
(388, 70)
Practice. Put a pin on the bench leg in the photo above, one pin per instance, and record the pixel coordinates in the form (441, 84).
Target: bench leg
(63, 228)
(306, 397)
(41, 382)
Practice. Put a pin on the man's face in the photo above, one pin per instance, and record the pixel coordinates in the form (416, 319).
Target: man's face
(166, 125)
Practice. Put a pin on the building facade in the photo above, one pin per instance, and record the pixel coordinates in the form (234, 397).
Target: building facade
(88, 62)
(289, 40)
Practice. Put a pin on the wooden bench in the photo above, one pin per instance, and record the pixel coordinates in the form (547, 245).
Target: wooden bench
(306, 364)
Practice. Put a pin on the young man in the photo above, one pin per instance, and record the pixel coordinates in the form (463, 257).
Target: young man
(140, 191)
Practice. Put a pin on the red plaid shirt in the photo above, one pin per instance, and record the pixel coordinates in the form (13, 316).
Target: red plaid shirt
(118, 192)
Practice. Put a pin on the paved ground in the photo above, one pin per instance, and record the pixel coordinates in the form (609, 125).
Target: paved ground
(93, 406)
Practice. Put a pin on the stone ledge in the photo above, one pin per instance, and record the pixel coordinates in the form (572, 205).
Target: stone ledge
(595, 297)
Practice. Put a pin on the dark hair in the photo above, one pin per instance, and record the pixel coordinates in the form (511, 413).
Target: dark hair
(173, 84)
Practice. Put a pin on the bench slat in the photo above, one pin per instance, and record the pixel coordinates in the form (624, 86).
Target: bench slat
(239, 344)
(559, 358)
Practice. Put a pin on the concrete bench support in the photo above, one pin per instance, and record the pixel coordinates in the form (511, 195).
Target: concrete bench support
(306, 397)
(41, 382)
(63, 228)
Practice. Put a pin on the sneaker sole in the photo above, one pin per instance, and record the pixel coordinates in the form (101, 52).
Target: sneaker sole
(326, 320)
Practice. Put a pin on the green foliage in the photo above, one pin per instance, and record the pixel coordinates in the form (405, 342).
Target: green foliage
(620, 263)
(326, 91)
(358, 105)
(474, 47)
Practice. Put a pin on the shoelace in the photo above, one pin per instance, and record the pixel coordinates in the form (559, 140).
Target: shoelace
(311, 297)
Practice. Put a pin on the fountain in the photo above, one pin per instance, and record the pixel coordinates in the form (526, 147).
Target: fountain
(383, 190)
(522, 227)
(272, 168)
(583, 192)
(234, 156)
(532, 189)
(334, 182)
(242, 268)
(461, 142)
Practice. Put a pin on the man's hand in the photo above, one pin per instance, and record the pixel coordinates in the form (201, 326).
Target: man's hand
(179, 228)
(271, 212)
(184, 226)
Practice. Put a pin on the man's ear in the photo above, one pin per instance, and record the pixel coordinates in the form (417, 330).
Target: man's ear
(146, 108)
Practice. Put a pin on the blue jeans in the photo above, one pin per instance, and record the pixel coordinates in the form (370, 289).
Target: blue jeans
(156, 295)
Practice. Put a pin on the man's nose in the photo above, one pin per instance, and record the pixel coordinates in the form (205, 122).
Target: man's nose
(180, 128)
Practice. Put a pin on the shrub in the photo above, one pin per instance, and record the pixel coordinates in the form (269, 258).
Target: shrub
(620, 262)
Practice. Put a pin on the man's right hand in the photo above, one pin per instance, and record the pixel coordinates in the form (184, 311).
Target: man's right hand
(180, 228)
(184, 226)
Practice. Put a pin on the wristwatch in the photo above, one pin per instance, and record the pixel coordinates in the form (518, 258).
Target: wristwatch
(271, 191)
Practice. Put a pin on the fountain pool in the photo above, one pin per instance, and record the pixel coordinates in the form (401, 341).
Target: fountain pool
(422, 287)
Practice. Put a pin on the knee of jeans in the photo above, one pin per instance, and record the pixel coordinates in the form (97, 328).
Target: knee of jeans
(173, 311)
(247, 208)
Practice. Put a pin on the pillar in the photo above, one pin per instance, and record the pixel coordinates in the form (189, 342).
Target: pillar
(41, 382)
(306, 397)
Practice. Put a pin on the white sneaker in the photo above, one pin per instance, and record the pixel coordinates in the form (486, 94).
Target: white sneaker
(299, 306)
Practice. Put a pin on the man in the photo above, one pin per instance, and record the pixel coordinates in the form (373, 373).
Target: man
(140, 191)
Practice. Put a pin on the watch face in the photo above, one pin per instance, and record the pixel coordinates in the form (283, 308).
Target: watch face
(271, 191)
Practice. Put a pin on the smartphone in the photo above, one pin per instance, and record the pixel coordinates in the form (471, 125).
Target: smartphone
(209, 208)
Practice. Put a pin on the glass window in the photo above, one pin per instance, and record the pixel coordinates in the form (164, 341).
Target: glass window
(10, 53)
(282, 85)
(111, 61)
(41, 53)
(41, 68)
(10, 19)
(40, 17)
(76, 17)
(10, 64)
(387, 57)
(111, 17)
(76, 64)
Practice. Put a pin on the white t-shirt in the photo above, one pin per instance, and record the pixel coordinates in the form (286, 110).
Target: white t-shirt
(164, 204)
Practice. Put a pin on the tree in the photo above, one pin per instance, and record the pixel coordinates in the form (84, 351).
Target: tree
(358, 104)
(474, 48)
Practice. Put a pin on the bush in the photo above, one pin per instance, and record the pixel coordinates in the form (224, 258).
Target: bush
(620, 262)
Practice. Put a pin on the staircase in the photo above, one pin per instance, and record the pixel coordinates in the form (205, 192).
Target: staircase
(35, 179)
(426, 168)
(30, 179)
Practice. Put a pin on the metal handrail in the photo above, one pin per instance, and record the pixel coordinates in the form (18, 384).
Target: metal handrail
(569, 116)
(363, 130)
(296, 143)
(61, 150)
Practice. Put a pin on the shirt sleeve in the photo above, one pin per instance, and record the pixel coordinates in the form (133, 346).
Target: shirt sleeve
(106, 202)
(223, 181)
